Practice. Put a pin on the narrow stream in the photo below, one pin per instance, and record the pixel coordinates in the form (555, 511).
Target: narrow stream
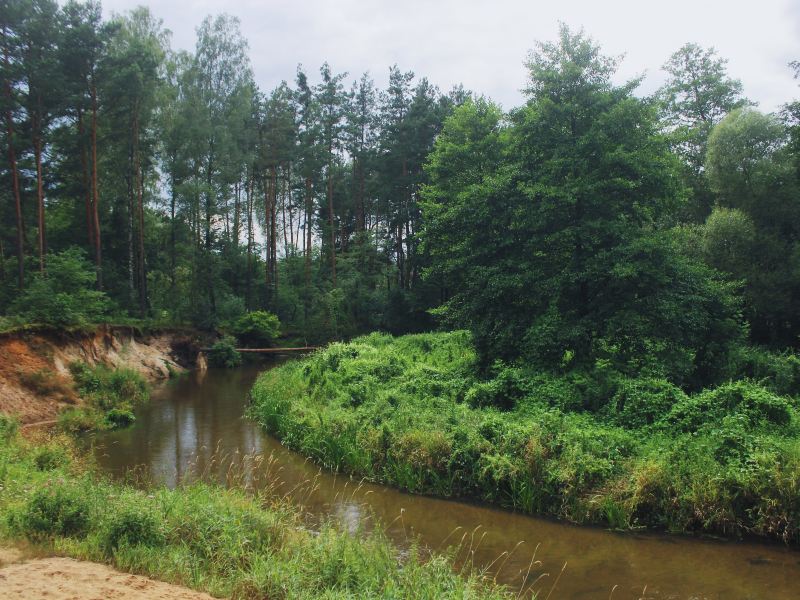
(194, 428)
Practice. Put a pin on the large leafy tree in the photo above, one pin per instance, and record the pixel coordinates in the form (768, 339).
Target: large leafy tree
(697, 95)
(750, 169)
(549, 229)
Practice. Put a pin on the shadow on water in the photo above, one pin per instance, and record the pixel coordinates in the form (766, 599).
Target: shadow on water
(194, 428)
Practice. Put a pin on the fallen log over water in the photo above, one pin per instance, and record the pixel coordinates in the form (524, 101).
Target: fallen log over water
(271, 350)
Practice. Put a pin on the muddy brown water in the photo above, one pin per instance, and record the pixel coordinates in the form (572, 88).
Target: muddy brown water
(194, 428)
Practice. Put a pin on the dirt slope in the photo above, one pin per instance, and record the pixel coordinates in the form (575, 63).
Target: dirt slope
(35, 382)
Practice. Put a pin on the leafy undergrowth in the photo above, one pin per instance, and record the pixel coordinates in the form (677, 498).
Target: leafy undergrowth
(411, 412)
(110, 396)
(207, 538)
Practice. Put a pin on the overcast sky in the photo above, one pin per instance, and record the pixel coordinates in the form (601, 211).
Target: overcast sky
(483, 44)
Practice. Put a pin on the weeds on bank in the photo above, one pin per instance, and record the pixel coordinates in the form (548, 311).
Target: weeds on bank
(110, 396)
(208, 538)
(411, 412)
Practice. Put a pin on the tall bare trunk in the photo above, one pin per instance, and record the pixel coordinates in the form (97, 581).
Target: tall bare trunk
(37, 151)
(12, 164)
(309, 217)
(172, 225)
(284, 190)
(330, 216)
(248, 279)
(98, 254)
(87, 188)
(268, 244)
(142, 266)
(274, 231)
(237, 203)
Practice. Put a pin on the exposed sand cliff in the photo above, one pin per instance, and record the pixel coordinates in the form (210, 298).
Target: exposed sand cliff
(35, 381)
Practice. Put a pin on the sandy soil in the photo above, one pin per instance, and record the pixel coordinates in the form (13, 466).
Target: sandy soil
(35, 382)
(68, 579)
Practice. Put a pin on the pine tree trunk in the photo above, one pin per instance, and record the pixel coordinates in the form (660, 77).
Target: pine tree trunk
(212, 299)
(330, 217)
(274, 232)
(37, 151)
(172, 229)
(142, 266)
(95, 195)
(268, 244)
(87, 188)
(12, 164)
(309, 217)
(249, 276)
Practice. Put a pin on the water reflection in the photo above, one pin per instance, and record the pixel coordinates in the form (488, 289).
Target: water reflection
(194, 429)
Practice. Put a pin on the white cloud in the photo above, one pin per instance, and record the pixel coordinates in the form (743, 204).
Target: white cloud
(483, 44)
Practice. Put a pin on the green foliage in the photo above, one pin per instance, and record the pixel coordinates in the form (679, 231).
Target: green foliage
(119, 418)
(223, 353)
(110, 395)
(221, 541)
(641, 402)
(754, 238)
(106, 388)
(65, 295)
(8, 427)
(549, 230)
(56, 510)
(132, 528)
(585, 445)
(778, 371)
(760, 408)
(50, 457)
(257, 329)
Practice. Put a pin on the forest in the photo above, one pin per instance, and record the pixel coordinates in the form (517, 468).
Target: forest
(586, 306)
(590, 223)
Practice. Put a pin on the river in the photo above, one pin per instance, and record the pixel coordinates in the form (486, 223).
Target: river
(194, 428)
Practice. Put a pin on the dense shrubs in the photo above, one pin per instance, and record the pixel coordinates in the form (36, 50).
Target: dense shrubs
(582, 445)
(258, 329)
(132, 527)
(65, 295)
(57, 510)
(220, 541)
(110, 396)
(641, 402)
(779, 371)
(223, 353)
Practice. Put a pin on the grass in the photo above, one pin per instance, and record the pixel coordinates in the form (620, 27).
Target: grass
(627, 453)
(110, 396)
(221, 541)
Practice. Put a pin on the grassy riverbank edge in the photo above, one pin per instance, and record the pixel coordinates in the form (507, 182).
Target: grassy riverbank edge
(221, 541)
(411, 412)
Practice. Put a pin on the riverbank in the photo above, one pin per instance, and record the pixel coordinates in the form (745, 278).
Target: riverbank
(58, 578)
(412, 413)
(36, 383)
(219, 541)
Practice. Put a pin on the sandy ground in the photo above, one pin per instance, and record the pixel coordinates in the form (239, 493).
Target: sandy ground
(68, 579)
(35, 382)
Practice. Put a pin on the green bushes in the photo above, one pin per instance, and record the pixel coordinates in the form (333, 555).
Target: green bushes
(641, 402)
(65, 295)
(224, 542)
(110, 396)
(54, 510)
(223, 354)
(585, 446)
(758, 407)
(8, 427)
(257, 329)
(132, 527)
(779, 371)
